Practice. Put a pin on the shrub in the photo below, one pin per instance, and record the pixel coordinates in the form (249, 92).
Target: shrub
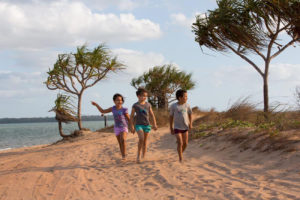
(242, 109)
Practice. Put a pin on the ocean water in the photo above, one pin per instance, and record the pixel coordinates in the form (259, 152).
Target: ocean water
(30, 134)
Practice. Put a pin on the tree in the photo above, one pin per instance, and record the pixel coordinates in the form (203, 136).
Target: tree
(250, 26)
(75, 72)
(161, 82)
(64, 112)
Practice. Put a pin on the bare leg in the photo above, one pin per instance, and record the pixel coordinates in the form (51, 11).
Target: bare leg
(120, 144)
(140, 144)
(123, 144)
(145, 144)
(185, 140)
(179, 146)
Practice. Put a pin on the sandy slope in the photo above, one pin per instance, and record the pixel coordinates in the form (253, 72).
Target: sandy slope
(90, 168)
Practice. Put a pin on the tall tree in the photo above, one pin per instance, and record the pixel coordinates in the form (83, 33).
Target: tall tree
(161, 82)
(250, 26)
(75, 72)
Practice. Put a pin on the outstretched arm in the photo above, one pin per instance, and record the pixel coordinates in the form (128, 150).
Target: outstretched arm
(153, 117)
(108, 110)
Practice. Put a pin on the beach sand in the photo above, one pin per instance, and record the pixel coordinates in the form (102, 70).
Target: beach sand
(89, 167)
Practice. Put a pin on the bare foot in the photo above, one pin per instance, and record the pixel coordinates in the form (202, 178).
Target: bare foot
(138, 160)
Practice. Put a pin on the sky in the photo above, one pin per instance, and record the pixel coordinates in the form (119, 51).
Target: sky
(142, 34)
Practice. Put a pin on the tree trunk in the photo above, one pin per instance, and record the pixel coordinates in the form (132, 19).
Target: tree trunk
(61, 130)
(166, 103)
(79, 111)
(266, 95)
(266, 87)
(105, 121)
(161, 102)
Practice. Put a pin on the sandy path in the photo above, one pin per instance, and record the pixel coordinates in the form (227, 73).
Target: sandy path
(90, 168)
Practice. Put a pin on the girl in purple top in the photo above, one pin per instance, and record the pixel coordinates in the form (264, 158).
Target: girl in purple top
(121, 119)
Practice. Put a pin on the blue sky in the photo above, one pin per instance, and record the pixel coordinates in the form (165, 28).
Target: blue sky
(142, 33)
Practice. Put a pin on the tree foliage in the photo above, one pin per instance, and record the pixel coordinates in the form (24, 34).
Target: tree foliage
(64, 109)
(161, 82)
(250, 26)
(64, 112)
(75, 72)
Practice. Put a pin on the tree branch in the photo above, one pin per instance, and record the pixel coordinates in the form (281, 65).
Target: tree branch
(77, 77)
(60, 87)
(65, 83)
(283, 48)
(273, 39)
(259, 53)
(73, 84)
(245, 58)
(99, 78)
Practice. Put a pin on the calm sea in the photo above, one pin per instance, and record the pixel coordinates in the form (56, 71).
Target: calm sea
(29, 134)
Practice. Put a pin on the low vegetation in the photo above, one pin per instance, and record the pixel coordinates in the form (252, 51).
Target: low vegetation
(245, 124)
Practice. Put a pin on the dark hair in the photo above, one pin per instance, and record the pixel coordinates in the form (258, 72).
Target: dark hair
(118, 95)
(180, 93)
(141, 91)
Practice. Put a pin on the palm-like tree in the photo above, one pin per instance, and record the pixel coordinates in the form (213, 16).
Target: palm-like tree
(161, 82)
(64, 112)
(250, 26)
(75, 72)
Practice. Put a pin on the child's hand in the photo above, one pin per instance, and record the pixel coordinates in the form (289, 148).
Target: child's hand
(94, 103)
(172, 131)
(190, 126)
(132, 130)
(155, 127)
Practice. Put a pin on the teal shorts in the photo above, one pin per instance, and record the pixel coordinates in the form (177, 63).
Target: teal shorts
(145, 128)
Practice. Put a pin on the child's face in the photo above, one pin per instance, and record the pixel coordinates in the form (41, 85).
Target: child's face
(143, 97)
(183, 99)
(118, 101)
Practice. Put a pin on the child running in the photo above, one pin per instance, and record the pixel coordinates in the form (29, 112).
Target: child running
(181, 117)
(120, 116)
(142, 109)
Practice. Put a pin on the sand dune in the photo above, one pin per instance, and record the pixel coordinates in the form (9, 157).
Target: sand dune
(90, 167)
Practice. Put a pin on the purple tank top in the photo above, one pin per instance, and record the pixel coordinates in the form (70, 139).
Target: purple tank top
(119, 117)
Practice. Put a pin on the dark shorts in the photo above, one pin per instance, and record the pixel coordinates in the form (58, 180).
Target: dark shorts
(176, 131)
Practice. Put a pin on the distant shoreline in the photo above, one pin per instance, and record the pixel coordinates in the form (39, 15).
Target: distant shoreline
(49, 119)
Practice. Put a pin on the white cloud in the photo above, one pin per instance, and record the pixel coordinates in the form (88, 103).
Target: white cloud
(127, 5)
(182, 20)
(138, 62)
(55, 24)
(287, 73)
(236, 75)
(26, 84)
(244, 81)
(21, 84)
(95, 4)
(35, 58)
